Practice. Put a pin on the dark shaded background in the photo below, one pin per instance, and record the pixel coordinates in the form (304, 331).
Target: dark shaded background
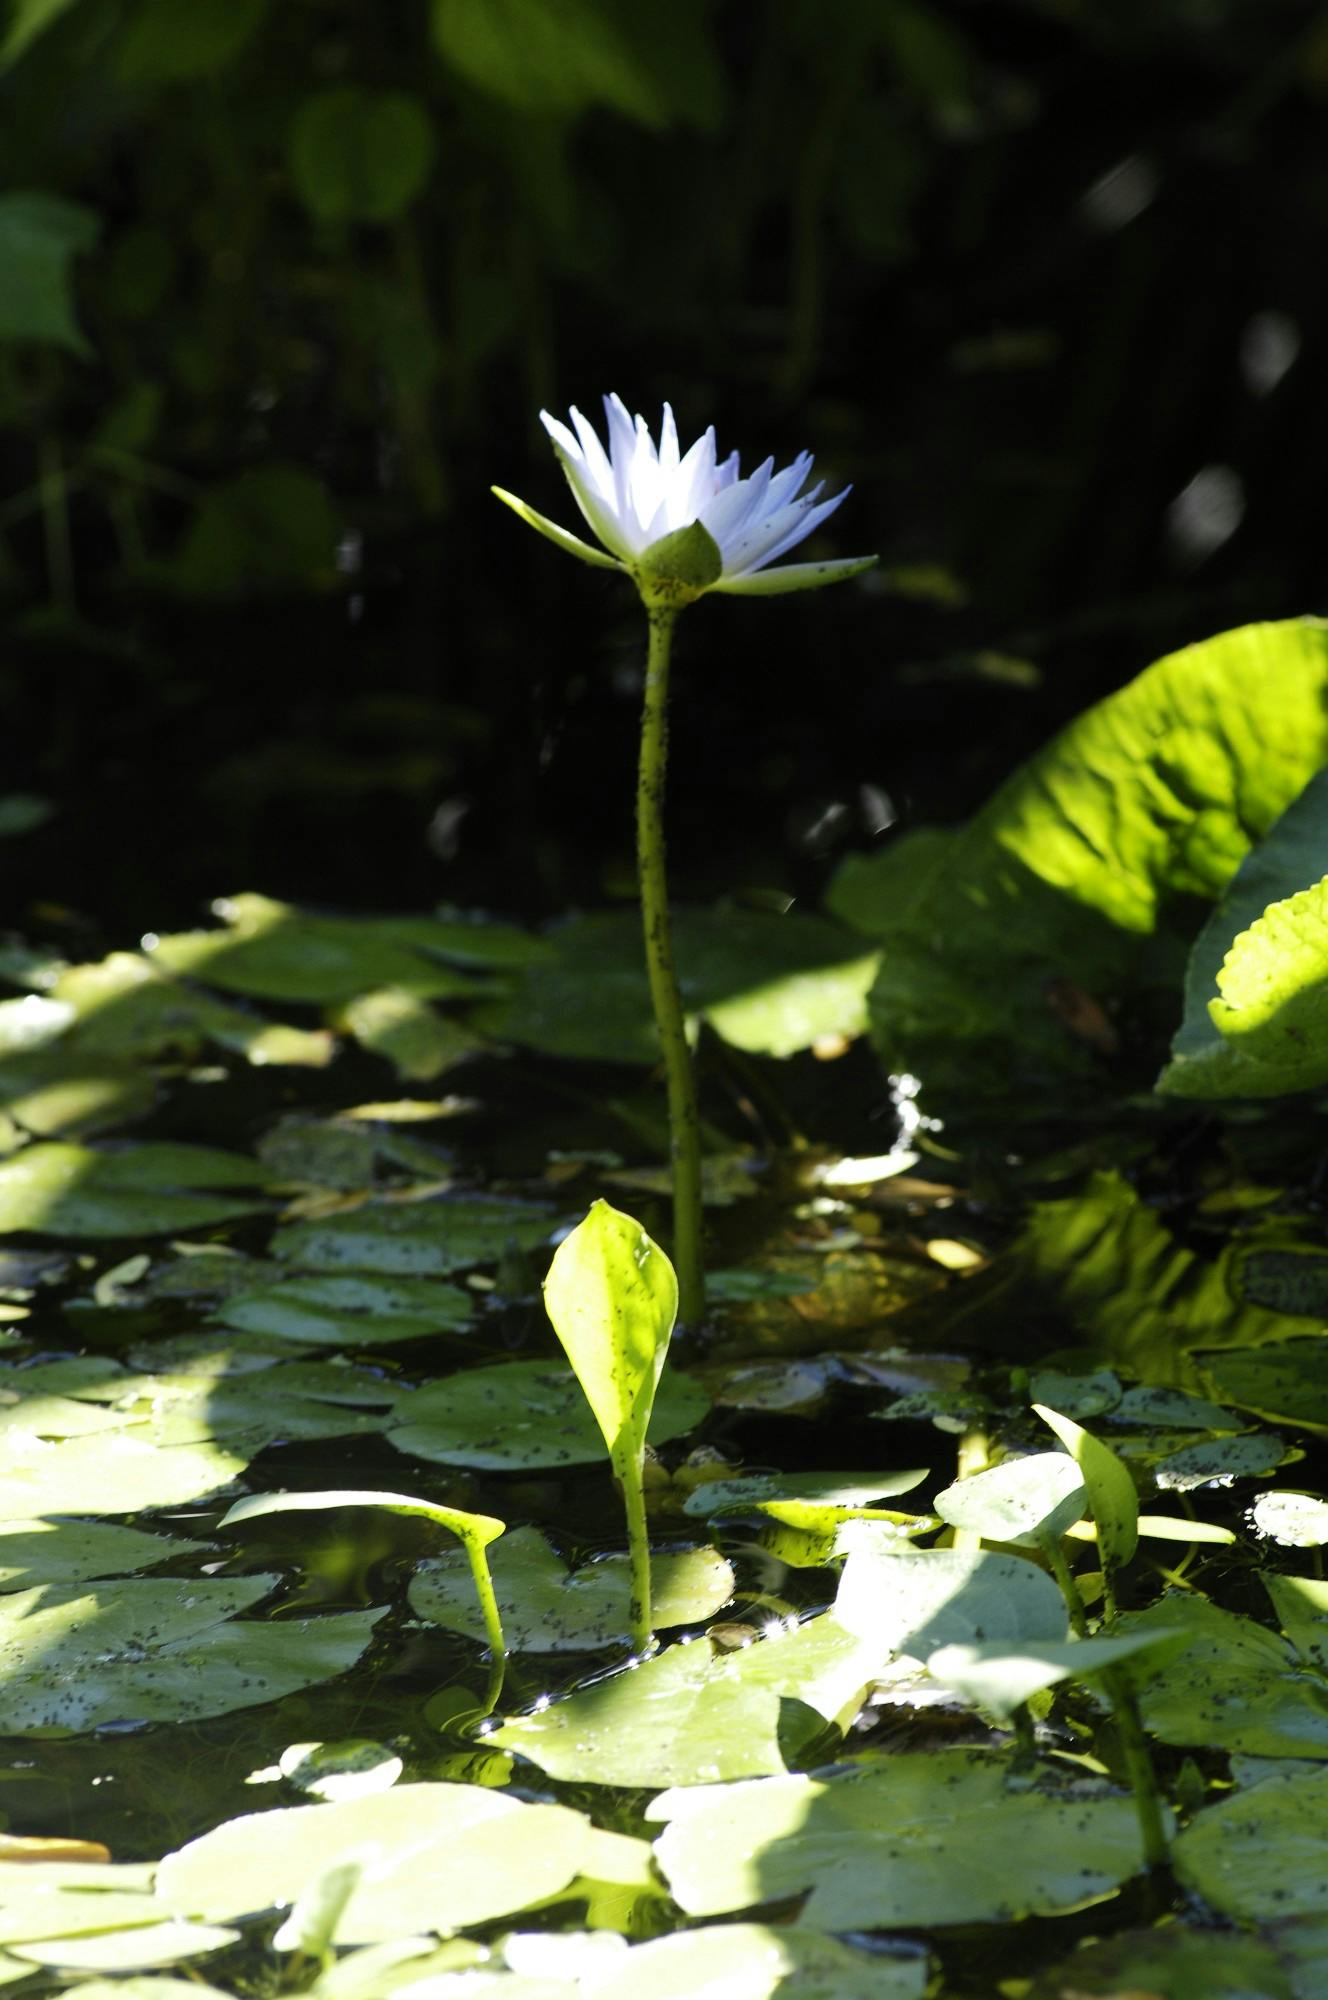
(283, 287)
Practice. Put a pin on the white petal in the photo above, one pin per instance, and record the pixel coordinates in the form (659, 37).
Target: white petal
(786, 485)
(668, 445)
(597, 463)
(737, 507)
(726, 473)
(597, 509)
(694, 481)
(793, 576)
(784, 530)
(622, 449)
(562, 436)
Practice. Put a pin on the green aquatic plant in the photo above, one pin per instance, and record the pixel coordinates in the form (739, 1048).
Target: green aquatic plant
(680, 524)
(613, 1299)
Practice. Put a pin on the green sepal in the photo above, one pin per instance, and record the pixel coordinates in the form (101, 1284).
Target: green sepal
(679, 567)
(571, 544)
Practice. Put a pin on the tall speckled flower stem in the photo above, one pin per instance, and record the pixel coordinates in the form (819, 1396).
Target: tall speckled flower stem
(684, 1127)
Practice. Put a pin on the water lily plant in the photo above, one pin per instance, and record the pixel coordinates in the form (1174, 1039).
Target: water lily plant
(680, 524)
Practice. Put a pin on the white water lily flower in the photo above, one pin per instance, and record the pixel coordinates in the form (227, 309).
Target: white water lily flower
(647, 502)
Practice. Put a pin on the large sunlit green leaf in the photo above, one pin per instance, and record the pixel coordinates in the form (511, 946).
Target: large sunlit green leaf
(1067, 888)
(147, 1189)
(547, 1608)
(148, 1650)
(909, 1840)
(1250, 1026)
(690, 1716)
(441, 1856)
(523, 1414)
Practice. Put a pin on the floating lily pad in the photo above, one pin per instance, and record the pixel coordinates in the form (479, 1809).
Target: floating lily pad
(770, 984)
(157, 1651)
(1000, 1677)
(548, 1609)
(737, 1961)
(441, 1856)
(1023, 1501)
(61, 1093)
(90, 1915)
(68, 1551)
(127, 1008)
(411, 1239)
(1220, 1462)
(1171, 1963)
(523, 1414)
(916, 1601)
(406, 1031)
(690, 1716)
(904, 1841)
(1288, 1383)
(844, 1492)
(1261, 1856)
(144, 1190)
(276, 952)
(116, 1473)
(1236, 1685)
(351, 1311)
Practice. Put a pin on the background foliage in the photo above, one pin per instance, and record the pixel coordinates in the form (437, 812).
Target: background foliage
(283, 286)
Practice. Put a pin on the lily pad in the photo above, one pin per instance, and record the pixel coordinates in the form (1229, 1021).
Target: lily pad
(143, 1190)
(418, 1041)
(1023, 1501)
(1261, 1856)
(59, 1093)
(1288, 1383)
(690, 1717)
(1171, 1963)
(157, 1651)
(737, 1961)
(769, 984)
(1236, 1685)
(519, 1415)
(352, 1311)
(434, 1857)
(116, 1473)
(999, 1677)
(548, 1609)
(276, 952)
(1220, 1461)
(906, 1841)
(845, 1492)
(68, 1551)
(412, 1239)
